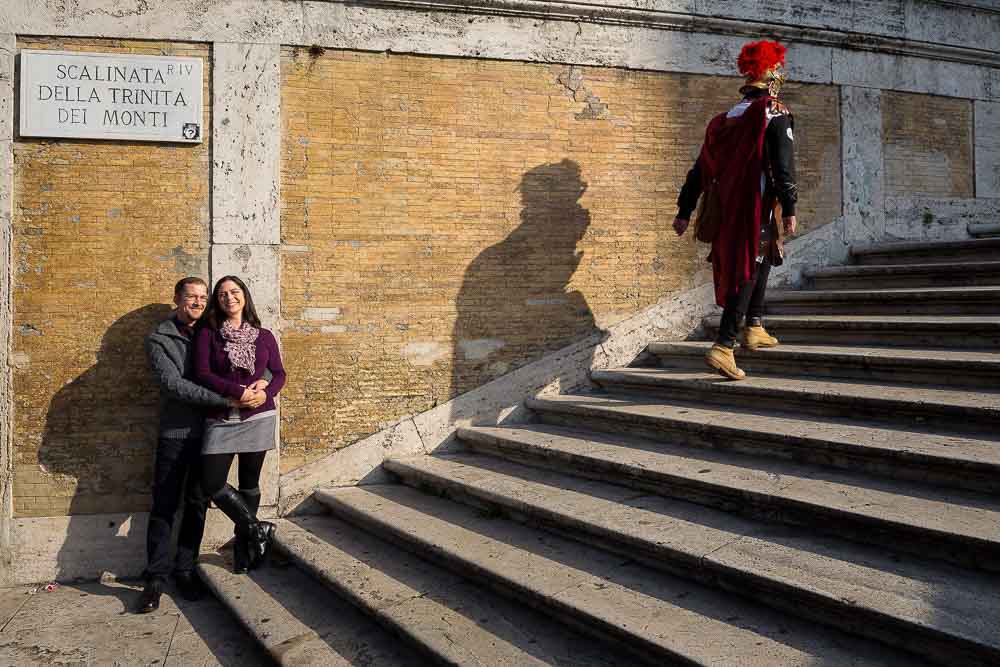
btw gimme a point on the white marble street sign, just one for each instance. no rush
(111, 96)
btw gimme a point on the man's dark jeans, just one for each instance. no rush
(176, 478)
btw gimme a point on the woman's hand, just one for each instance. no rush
(680, 226)
(790, 224)
(252, 398)
(247, 396)
(259, 385)
(258, 400)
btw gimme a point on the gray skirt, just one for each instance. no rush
(232, 436)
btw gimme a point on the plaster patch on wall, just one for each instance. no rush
(480, 348)
(594, 109)
(425, 353)
(321, 314)
(184, 262)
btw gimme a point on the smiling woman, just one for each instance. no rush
(232, 353)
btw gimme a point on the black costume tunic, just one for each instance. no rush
(779, 173)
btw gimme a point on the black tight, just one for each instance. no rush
(215, 471)
(749, 303)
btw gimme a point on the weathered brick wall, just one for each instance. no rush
(928, 145)
(102, 230)
(445, 221)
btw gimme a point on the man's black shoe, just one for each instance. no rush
(149, 600)
(189, 585)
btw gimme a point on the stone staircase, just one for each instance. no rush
(839, 507)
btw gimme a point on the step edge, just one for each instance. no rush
(630, 377)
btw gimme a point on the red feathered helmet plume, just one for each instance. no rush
(758, 58)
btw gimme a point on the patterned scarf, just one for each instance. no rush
(240, 345)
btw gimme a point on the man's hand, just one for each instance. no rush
(680, 226)
(259, 385)
(789, 223)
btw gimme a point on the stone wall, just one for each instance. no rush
(101, 231)
(446, 221)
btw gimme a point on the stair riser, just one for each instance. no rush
(939, 256)
(971, 339)
(633, 644)
(920, 307)
(757, 443)
(768, 364)
(848, 617)
(864, 282)
(903, 414)
(951, 548)
(985, 230)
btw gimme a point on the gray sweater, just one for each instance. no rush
(181, 400)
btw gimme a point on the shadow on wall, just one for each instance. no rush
(101, 431)
(514, 305)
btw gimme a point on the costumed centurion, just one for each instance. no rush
(745, 174)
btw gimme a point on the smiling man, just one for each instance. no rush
(176, 472)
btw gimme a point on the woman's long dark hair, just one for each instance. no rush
(214, 317)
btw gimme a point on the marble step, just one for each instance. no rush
(942, 459)
(960, 368)
(904, 405)
(984, 229)
(931, 331)
(444, 618)
(298, 625)
(897, 301)
(648, 615)
(961, 527)
(926, 252)
(943, 612)
(953, 274)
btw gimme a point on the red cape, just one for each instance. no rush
(732, 156)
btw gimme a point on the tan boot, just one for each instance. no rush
(754, 337)
(721, 359)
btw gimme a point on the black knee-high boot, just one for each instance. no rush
(241, 547)
(255, 534)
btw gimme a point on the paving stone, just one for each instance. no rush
(81, 604)
(11, 600)
(93, 624)
(128, 640)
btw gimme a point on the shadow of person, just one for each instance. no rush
(514, 305)
(100, 437)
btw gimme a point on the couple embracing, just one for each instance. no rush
(218, 372)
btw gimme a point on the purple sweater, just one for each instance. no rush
(213, 370)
